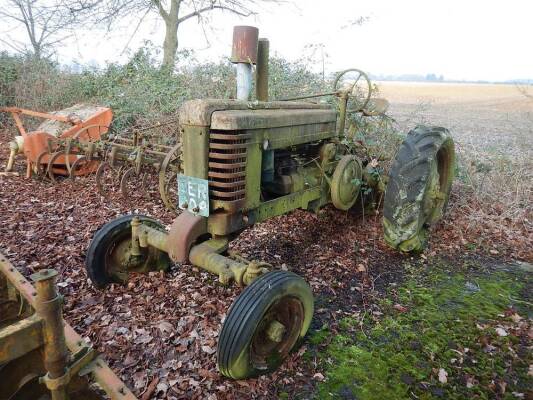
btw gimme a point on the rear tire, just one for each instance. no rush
(419, 187)
(108, 258)
(246, 347)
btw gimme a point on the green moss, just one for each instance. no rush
(448, 322)
(319, 336)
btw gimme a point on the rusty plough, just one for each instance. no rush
(56, 146)
(40, 354)
(79, 141)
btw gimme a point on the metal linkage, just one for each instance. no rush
(206, 255)
(66, 355)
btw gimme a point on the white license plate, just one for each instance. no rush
(193, 195)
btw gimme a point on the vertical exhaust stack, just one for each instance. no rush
(244, 54)
(261, 74)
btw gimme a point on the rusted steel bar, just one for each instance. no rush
(160, 153)
(310, 96)
(144, 236)
(343, 104)
(122, 146)
(49, 307)
(164, 146)
(121, 139)
(16, 110)
(15, 278)
(20, 338)
(19, 124)
(106, 378)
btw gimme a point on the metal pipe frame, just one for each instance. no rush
(24, 336)
(206, 255)
(49, 307)
(342, 112)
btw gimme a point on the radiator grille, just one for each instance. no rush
(227, 166)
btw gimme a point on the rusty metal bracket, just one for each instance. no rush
(56, 383)
(79, 361)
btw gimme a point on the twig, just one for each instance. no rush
(151, 389)
(516, 300)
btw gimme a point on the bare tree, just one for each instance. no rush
(173, 13)
(46, 23)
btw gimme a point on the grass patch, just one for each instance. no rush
(440, 336)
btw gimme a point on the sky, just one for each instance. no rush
(460, 39)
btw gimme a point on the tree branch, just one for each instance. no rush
(164, 14)
(13, 46)
(135, 31)
(213, 7)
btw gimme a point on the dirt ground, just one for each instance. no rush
(163, 327)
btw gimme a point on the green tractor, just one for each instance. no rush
(246, 161)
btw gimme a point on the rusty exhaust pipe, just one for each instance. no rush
(244, 54)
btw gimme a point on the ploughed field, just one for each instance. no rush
(161, 330)
(485, 118)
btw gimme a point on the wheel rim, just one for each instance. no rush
(168, 176)
(21, 377)
(76, 165)
(50, 169)
(345, 184)
(119, 261)
(133, 185)
(106, 177)
(277, 332)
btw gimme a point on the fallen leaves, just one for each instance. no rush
(443, 376)
(400, 308)
(160, 332)
(318, 376)
(500, 331)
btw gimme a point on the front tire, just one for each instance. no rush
(264, 324)
(419, 187)
(109, 258)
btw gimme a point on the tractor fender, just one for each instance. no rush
(184, 232)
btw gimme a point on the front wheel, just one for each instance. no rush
(264, 324)
(109, 257)
(419, 187)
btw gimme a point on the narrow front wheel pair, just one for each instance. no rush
(267, 321)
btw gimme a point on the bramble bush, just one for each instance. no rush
(139, 92)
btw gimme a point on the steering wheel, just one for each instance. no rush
(359, 90)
